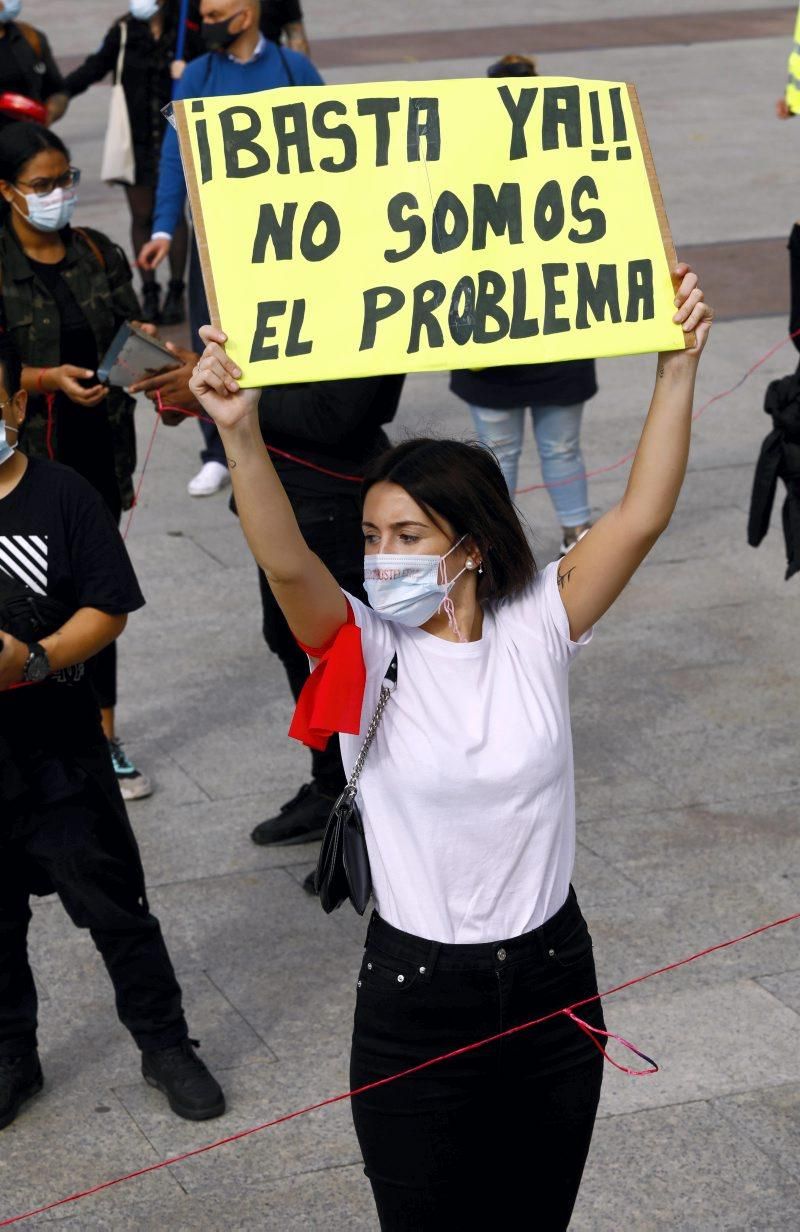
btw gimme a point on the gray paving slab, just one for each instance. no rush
(770, 1119)
(332, 1197)
(681, 1170)
(785, 985)
(69, 1142)
(723, 1039)
(665, 926)
(699, 847)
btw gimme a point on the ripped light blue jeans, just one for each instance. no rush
(557, 430)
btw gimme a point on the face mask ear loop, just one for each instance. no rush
(447, 605)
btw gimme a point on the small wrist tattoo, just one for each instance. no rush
(231, 463)
(563, 578)
(661, 370)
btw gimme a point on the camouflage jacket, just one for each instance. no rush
(99, 276)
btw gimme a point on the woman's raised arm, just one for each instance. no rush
(595, 572)
(307, 593)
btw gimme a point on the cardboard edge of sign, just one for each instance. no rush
(198, 221)
(655, 191)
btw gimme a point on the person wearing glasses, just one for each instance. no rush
(65, 292)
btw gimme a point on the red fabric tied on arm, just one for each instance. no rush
(333, 695)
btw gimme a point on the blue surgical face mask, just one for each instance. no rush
(407, 588)
(52, 212)
(143, 10)
(6, 448)
(11, 10)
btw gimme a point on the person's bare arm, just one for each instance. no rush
(595, 572)
(308, 594)
(85, 634)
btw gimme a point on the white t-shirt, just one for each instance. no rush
(467, 794)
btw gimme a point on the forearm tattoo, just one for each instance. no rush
(563, 578)
(231, 463)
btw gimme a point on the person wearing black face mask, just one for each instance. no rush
(239, 61)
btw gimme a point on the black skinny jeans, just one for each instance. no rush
(98, 887)
(331, 526)
(495, 1138)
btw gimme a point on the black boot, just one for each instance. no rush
(20, 1078)
(174, 310)
(301, 820)
(191, 1091)
(150, 298)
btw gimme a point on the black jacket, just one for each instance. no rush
(37, 75)
(779, 459)
(146, 77)
(516, 385)
(337, 425)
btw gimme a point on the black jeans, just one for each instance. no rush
(67, 841)
(331, 526)
(497, 1137)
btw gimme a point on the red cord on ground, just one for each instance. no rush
(569, 1010)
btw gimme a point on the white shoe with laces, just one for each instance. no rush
(209, 479)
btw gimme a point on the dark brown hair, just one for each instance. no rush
(513, 66)
(461, 482)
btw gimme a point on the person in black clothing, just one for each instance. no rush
(283, 19)
(66, 588)
(148, 71)
(65, 293)
(27, 68)
(326, 426)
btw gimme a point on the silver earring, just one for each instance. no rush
(480, 569)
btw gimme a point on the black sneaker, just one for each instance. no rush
(191, 1091)
(20, 1078)
(173, 311)
(301, 820)
(150, 298)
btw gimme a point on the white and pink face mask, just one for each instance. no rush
(408, 589)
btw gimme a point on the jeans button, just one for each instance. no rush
(369, 966)
(422, 970)
(401, 979)
(552, 953)
(501, 955)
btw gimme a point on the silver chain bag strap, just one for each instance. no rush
(343, 867)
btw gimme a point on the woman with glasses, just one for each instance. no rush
(65, 292)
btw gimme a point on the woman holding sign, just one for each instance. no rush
(467, 794)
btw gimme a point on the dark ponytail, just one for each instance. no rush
(461, 482)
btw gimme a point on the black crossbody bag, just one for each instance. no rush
(343, 868)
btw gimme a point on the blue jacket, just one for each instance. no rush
(211, 76)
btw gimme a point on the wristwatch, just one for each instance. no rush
(37, 664)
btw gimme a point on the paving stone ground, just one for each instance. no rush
(685, 718)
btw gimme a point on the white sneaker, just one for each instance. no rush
(209, 479)
(572, 535)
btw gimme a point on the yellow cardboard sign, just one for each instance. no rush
(411, 226)
(792, 95)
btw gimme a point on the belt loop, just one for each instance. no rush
(427, 971)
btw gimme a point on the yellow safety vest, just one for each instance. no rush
(793, 79)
